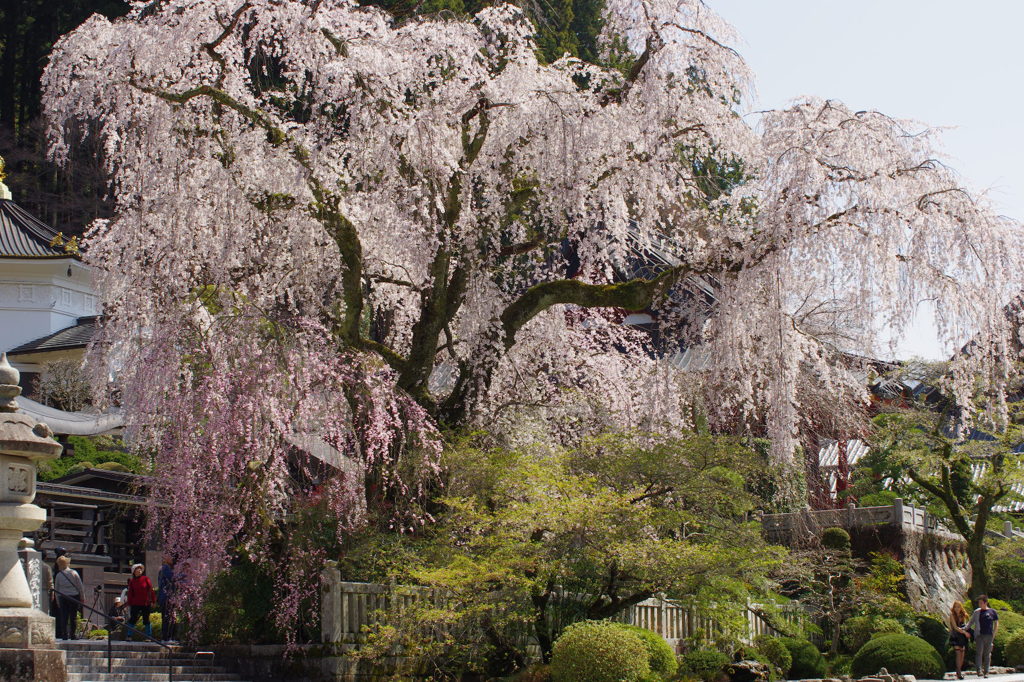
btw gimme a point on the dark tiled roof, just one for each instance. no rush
(22, 235)
(76, 336)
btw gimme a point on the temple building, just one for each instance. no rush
(49, 311)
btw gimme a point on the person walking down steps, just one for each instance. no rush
(984, 623)
(141, 597)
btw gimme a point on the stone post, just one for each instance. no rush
(897, 512)
(27, 648)
(35, 573)
(1008, 529)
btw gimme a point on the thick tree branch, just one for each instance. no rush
(636, 294)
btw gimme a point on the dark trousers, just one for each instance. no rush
(169, 626)
(65, 616)
(133, 616)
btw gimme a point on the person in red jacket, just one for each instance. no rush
(141, 597)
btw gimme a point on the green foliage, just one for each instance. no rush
(933, 630)
(660, 657)
(857, 631)
(900, 654)
(98, 633)
(887, 626)
(807, 660)
(521, 534)
(1008, 580)
(538, 672)
(599, 651)
(704, 664)
(776, 653)
(1013, 651)
(779, 488)
(835, 538)
(1009, 624)
(881, 498)
(885, 574)
(89, 452)
(839, 665)
(239, 608)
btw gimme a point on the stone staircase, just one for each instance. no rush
(140, 662)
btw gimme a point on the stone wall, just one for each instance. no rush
(934, 559)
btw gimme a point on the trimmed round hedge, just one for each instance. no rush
(1010, 623)
(599, 651)
(660, 657)
(933, 631)
(776, 653)
(899, 654)
(835, 538)
(808, 663)
(1013, 652)
(704, 664)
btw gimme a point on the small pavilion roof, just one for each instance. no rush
(77, 335)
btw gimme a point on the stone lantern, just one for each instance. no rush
(27, 649)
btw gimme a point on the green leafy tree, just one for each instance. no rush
(530, 542)
(927, 446)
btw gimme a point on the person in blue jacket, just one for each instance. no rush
(165, 598)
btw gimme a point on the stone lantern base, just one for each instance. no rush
(27, 647)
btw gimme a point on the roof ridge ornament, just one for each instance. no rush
(9, 388)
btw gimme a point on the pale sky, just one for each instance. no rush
(945, 63)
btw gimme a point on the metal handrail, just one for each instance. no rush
(133, 629)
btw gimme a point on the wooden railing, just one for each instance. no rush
(349, 608)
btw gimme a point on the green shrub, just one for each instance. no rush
(113, 466)
(660, 657)
(84, 452)
(993, 603)
(599, 651)
(900, 654)
(238, 608)
(1013, 651)
(807, 660)
(858, 630)
(1008, 579)
(775, 652)
(704, 664)
(881, 498)
(535, 673)
(98, 633)
(1009, 624)
(835, 538)
(933, 631)
(839, 666)
(886, 626)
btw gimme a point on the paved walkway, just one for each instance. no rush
(1010, 677)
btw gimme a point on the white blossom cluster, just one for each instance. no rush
(263, 151)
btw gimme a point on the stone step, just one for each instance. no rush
(141, 655)
(130, 666)
(152, 677)
(101, 645)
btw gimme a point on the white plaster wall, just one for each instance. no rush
(39, 297)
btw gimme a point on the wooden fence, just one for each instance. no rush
(348, 608)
